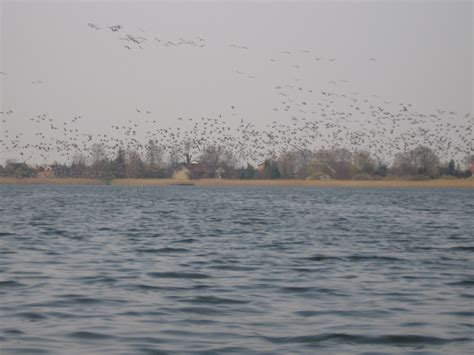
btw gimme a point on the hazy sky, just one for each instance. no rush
(423, 54)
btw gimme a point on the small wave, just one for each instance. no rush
(214, 300)
(144, 340)
(10, 283)
(163, 250)
(303, 269)
(228, 350)
(205, 311)
(143, 313)
(298, 289)
(462, 283)
(68, 300)
(104, 229)
(232, 268)
(64, 315)
(461, 313)
(85, 300)
(463, 248)
(178, 275)
(372, 257)
(321, 257)
(33, 316)
(346, 313)
(414, 324)
(89, 335)
(320, 290)
(145, 287)
(97, 279)
(394, 340)
(53, 231)
(201, 321)
(252, 222)
(6, 234)
(185, 241)
(12, 331)
(149, 351)
(28, 351)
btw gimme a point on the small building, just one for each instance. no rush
(44, 172)
(261, 167)
(193, 170)
(197, 171)
(182, 173)
(318, 176)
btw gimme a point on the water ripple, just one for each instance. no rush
(210, 270)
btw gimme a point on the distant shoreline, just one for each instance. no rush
(395, 183)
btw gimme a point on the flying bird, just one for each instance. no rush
(94, 26)
(115, 28)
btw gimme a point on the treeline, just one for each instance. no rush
(340, 163)
(217, 161)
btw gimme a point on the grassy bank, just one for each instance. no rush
(438, 183)
(395, 183)
(49, 181)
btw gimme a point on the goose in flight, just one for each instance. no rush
(94, 26)
(115, 28)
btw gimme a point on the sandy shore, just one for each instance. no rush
(438, 183)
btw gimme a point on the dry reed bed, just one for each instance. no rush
(49, 181)
(438, 183)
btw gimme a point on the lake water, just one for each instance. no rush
(130, 270)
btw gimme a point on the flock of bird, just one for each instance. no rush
(313, 119)
(139, 41)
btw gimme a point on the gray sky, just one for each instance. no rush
(423, 55)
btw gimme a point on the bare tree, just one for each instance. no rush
(215, 157)
(469, 160)
(188, 151)
(79, 165)
(154, 159)
(154, 154)
(100, 167)
(363, 163)
(419, 161)
(174, 159)
(336, 163)
(98, 153)
(135, 165)
(295, 164)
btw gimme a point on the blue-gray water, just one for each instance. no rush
(128, 270)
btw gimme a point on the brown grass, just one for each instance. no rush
(439, 183)
(393, 183)
(49, 181)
